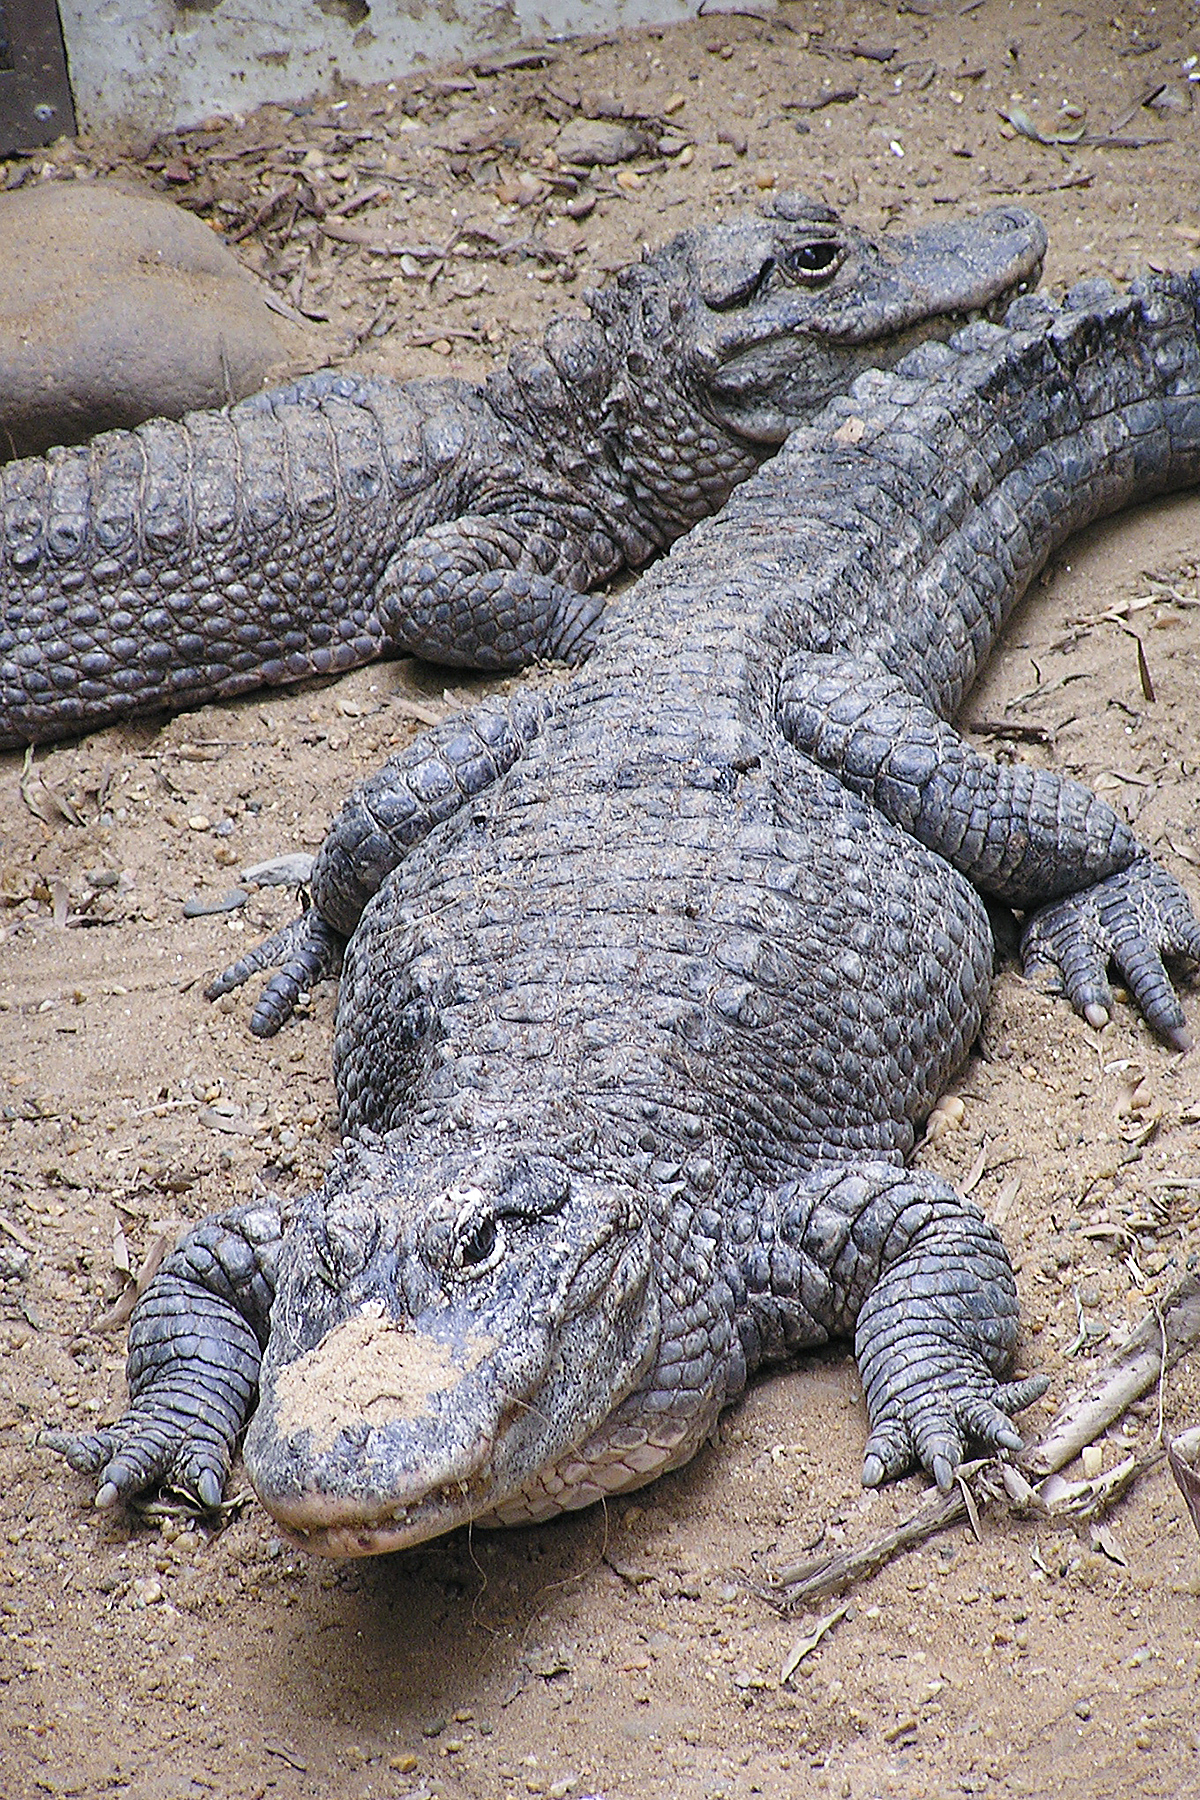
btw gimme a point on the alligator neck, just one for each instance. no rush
(610, 406)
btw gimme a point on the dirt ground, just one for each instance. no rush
(625, 1653)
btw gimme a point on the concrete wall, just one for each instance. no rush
(157, 63)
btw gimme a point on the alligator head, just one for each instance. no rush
(772, 316)
(443, 1330)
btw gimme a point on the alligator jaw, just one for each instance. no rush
(325, 1525)
(445, 1328)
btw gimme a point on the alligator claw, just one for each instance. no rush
(1133, 920)
(160, 1443)
(302, 952)
(936, 1411)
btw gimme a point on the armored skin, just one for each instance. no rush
(652, 977)
(339, 518)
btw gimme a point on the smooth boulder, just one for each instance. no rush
(118, 307)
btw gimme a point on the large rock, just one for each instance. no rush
(115, 307)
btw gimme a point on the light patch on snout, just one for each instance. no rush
(368, 1371)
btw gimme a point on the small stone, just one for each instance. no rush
(404, 1763)
(1083, 1709)
(674, 104)
(629, 179)
(14, 1262)
(199, 822)
(586, 142)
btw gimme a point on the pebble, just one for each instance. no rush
(587, 142)
(202, 906)
(14, 1262)
(291, 870)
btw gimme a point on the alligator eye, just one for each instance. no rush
(815, 261)
(476, 1249)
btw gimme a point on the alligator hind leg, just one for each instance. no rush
(922, 1280)
(1035, 840)
(416, 790)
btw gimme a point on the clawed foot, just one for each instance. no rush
(163, 1442)
(1133, 920)
(303, 952)
(931, 1341)
(932, 1421)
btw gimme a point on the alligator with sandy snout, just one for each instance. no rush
(651, 978)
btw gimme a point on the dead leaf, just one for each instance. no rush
(120, 1253)
(1187, 1480)
(118, 1314)
(44, 801)
(1104, 1541)
(803, 1646)
(1021, 122)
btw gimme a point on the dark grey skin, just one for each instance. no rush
(308, 530)
(653, 979)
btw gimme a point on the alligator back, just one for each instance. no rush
(663, 900)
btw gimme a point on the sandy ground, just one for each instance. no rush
(625, 1653)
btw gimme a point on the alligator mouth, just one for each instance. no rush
(753, 392)
(953, 319)
(332, 1526)
(884, 343)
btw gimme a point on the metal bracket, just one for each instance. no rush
(35, 92)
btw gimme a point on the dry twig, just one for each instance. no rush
(1157, 1344)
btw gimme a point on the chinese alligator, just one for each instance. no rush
(652, 977)
(312, 528)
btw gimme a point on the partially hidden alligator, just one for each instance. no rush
(312, 528)
(653, 976)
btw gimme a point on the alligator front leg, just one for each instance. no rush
(1034, 839)
(486, 592)
(195, 1344)
(924, 1283)
(416, 790)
